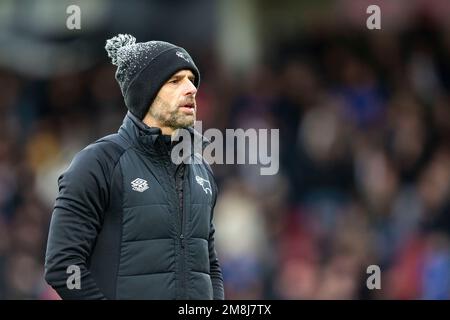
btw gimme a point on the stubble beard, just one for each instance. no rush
(170, 116)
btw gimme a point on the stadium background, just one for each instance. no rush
(364, 119)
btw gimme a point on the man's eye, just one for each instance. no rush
(173, 81)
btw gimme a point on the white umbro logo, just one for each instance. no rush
(139, 185)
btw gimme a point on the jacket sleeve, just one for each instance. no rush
(75, 224)
(215, 269)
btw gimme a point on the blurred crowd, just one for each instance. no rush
(364, 177)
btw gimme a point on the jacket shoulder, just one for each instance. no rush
(104, 149)
(100, 156)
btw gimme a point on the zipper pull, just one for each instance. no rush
(182, 240)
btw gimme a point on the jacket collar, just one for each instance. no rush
(138, 133)
(141, 135)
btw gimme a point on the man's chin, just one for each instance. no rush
(186, 122)
(186, 125)
(183, 125)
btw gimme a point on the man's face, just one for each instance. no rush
(175, 105)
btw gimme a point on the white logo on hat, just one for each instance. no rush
(182, 55)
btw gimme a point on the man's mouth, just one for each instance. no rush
(188, 105)
(188, 108)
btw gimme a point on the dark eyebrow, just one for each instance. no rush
(175, 76)
(178, 77)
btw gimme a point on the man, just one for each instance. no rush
(131, 221)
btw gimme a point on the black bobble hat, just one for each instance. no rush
(143, 68)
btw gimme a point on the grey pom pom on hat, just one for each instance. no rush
(144, 67)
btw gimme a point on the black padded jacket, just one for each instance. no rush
(135, 225)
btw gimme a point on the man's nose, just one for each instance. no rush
(190, 88)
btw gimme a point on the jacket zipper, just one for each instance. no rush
(180, 191)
